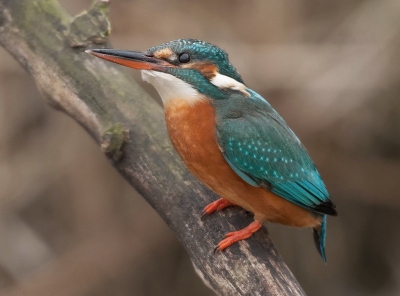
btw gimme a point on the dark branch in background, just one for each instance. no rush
(129, 126)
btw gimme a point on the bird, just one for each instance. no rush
(231, 138)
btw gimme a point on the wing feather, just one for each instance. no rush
(263, 151)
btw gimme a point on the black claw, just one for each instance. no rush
(203, 215)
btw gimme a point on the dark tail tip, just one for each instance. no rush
(327, 207)
(319, 234)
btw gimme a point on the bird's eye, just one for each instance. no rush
(184, 58)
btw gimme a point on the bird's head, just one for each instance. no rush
(186, 69)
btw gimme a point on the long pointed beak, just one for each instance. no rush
(132, 59)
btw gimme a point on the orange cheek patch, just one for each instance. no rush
(209, 70)
(164, 53)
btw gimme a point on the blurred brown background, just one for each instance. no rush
(70, 225)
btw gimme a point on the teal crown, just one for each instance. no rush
(199, 52)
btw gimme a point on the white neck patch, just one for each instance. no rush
(223, 81)
(169, 87)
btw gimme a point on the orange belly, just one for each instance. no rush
(192, 132)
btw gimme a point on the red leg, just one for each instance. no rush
(233, 237)
(216, 206)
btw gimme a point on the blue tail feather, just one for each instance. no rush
(320, 237)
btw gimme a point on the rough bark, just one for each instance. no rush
(129, 126)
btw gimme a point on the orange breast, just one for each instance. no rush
(192, 132)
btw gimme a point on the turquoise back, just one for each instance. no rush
(264, 151)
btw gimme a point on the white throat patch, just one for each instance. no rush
(169, 87)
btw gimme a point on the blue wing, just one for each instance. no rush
(263, 151)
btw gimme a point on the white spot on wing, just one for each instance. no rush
(169, 87)
(223, 81)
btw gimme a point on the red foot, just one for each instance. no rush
(216, 206)
(233, 237)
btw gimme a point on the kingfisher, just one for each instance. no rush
(231, 138)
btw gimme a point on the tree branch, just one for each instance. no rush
(48, 42)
